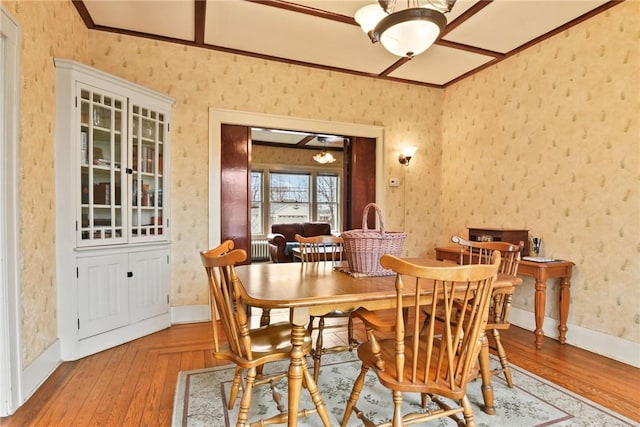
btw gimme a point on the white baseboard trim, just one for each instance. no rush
(39, 370)
(190, 314)
(596, 342)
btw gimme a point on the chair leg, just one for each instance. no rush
(352, 341)
(355, 394)
(502, 355)
(317, 354)
(312, 387)
(397, 409)
(235, 387)
(310, 327)
(485, 372)
(245, 402)
(467, 411)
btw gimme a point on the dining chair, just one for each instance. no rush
(325, 249)
(433, 362)
(480, 253)
(249, 349)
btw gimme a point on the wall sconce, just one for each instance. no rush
(406, 155)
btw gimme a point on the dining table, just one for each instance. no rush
(315, 289)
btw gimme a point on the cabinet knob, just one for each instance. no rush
(129, 171)
(129, 273)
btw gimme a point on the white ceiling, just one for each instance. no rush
(323, 34)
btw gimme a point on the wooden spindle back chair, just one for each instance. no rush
(435, 362)
(480, 253)
(325, 249)
(249, 349)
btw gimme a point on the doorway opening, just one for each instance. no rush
(219, 117)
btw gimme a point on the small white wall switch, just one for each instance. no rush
(394, 182)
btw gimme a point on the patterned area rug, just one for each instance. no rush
(201, 395)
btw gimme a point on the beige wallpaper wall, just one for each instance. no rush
(556, 127)
(47, 29)
(293, 157)
(550, 140)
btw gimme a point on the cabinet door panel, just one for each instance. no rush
(102, 175)
(149, 128)
(149, 285)
(102, 294)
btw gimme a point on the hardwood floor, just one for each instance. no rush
(133, 384)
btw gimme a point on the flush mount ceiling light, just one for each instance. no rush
(324, 156)
(405, 32)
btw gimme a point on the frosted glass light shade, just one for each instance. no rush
(410, 32)
(324, 157)
(369, 16)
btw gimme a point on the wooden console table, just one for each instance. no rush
(540, 271)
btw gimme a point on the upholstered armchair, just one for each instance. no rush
(282, 238)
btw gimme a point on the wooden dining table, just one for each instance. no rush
(315, 289)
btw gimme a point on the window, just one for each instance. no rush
(257, 224)
(327, 193)
(293, 196)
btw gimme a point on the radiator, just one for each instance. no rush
(259, 250)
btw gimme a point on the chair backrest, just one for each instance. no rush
(320, 248)
(441, 359)
(219, 263)
(482, 252)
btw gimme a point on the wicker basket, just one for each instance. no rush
(363, 247)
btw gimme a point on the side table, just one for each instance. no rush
(540, 271)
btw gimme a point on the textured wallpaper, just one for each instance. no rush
(48, 29)
(548, 139)
(284, 156)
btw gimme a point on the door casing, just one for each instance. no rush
(218, 117)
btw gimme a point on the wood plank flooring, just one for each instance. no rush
(133, 384)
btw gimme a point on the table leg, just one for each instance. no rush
(299, 370)
(540, 300)
(565, 295)
(485, 372)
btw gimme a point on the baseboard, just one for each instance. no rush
(596, 342)
(39, 370)
(190, 314)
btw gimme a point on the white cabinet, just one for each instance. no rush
(112, 209)
(116, 290)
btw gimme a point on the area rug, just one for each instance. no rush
(201, 395)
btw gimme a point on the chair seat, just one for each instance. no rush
(275, 338)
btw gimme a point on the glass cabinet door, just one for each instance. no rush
(148, 131)
(101, 160)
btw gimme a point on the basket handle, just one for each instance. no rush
(365, 214)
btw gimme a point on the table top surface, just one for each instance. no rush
(290, 285)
